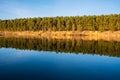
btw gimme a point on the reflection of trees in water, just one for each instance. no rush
(100, 47)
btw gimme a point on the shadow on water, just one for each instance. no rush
(100, 47)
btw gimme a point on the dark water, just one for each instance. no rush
(43, 59)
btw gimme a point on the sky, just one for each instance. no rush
(11, 9)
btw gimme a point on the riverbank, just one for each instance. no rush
(85, 35)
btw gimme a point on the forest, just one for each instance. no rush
(69, 23)
(100, 47)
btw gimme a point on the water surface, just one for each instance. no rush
(27, 59)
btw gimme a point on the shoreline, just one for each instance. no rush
(85, 35)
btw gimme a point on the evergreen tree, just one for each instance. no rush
(73, 23)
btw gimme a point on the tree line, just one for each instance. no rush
(109, 48)
(73, 23)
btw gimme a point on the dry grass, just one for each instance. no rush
(85, 35)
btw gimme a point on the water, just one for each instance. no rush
(29, 59)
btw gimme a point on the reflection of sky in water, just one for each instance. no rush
(65, 64)
(16, 55)
(12, 55)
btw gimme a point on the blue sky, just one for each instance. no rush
(10, 9)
